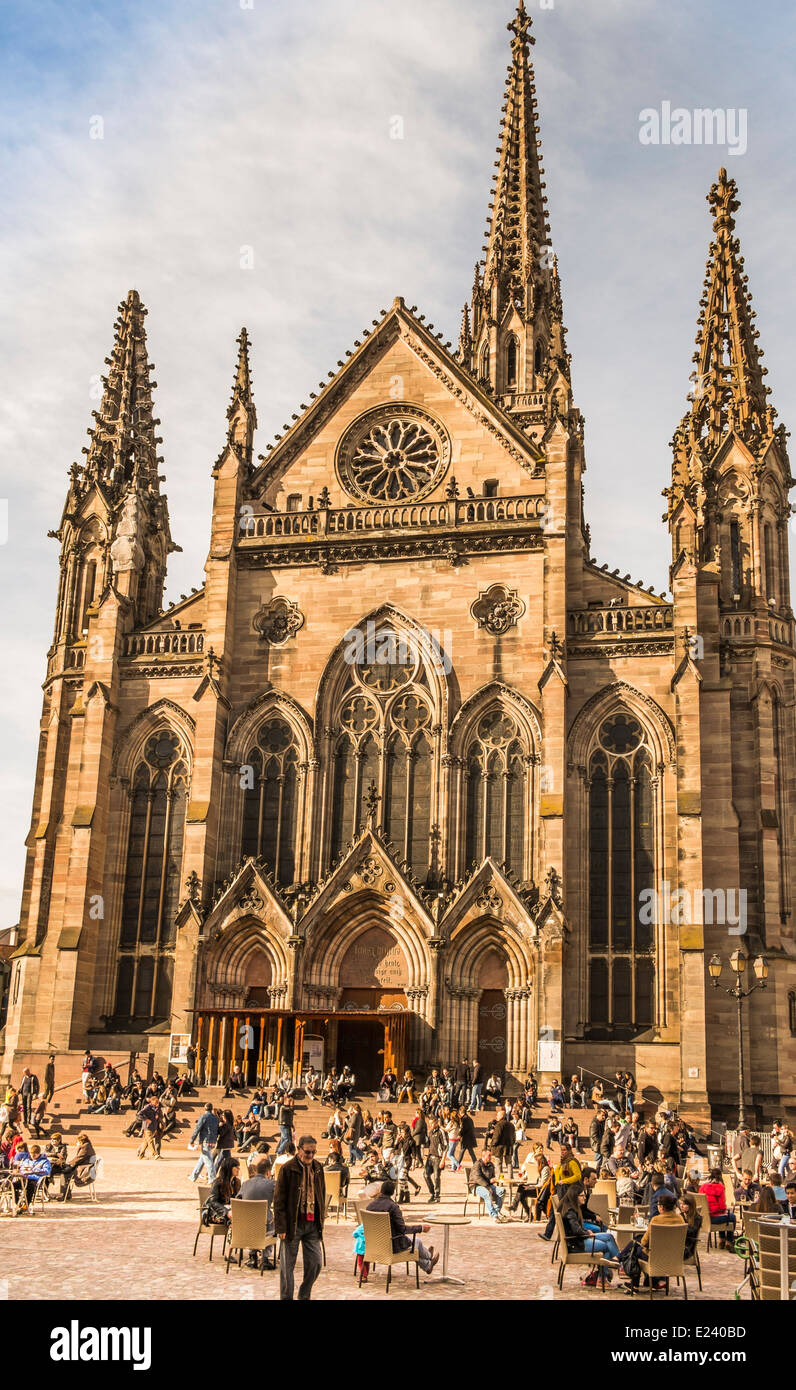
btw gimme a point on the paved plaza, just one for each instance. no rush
(135, 1242)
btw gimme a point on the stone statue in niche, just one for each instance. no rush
(127, 553)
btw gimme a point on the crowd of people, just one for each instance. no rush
(656, 1160)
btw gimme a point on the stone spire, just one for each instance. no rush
(729, 393)
(241, 413)
(729, 390)
(518, 225)
(518, 344)
(124, 444)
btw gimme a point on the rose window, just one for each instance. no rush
(620, 734)
(393, 455)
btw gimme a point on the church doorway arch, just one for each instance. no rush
(492, 1019)
(373, 978)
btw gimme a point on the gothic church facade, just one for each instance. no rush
(410, 778)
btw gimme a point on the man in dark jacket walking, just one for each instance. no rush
(647, 1143)
(608, 1140)
(468, 1136)
(399, 1231)
(503, 1136)
(29, 1087)
(49, 1077)
(437, 1149)
(461, 1083)
(285, 1125)
(299, 1209)
(595, 1136)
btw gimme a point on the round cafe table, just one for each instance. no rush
(446, 1222)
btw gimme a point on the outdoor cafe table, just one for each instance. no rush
(446, 1222)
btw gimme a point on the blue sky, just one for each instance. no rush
(269, 127)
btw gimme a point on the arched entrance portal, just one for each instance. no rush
(493, 980)
(251, 1039)
(373, 979)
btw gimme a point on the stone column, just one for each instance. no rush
(295, 944)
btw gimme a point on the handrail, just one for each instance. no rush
(611, 1080)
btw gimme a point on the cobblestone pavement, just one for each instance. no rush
(136, 1242)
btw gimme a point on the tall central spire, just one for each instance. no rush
(518, 226)
(513, 338)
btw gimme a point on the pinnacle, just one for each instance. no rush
(729, 392)
(123, 444)
(242, 389)
(520, 26)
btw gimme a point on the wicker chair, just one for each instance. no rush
(607, 1186)
(334, 1196)
(248, 1229)
(203, 1192)
(600, 1204)
(575, 1257)
(692, 1261)
(378, 1246)
(751, 1269)
(666, 1250)
(86, 1183)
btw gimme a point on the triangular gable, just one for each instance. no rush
(397, 322)
(488, 890)
(368, 866)
(249, 891)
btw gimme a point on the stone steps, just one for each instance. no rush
(106, 1131)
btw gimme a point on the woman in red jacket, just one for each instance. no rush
(717, 1203)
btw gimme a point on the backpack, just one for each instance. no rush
(631, 1264)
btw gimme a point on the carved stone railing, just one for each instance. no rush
(411, 516)
(179, 642)
(603, 622)
(69, 659)
(524, 400)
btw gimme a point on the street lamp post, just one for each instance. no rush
(738, 993)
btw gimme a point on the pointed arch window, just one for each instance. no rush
(621, 880)
(496, 788)
(270, 801)
(158, 792)
(768, 553)
(781, 808)
(735, 558)
(512, 364)
(384, 740)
